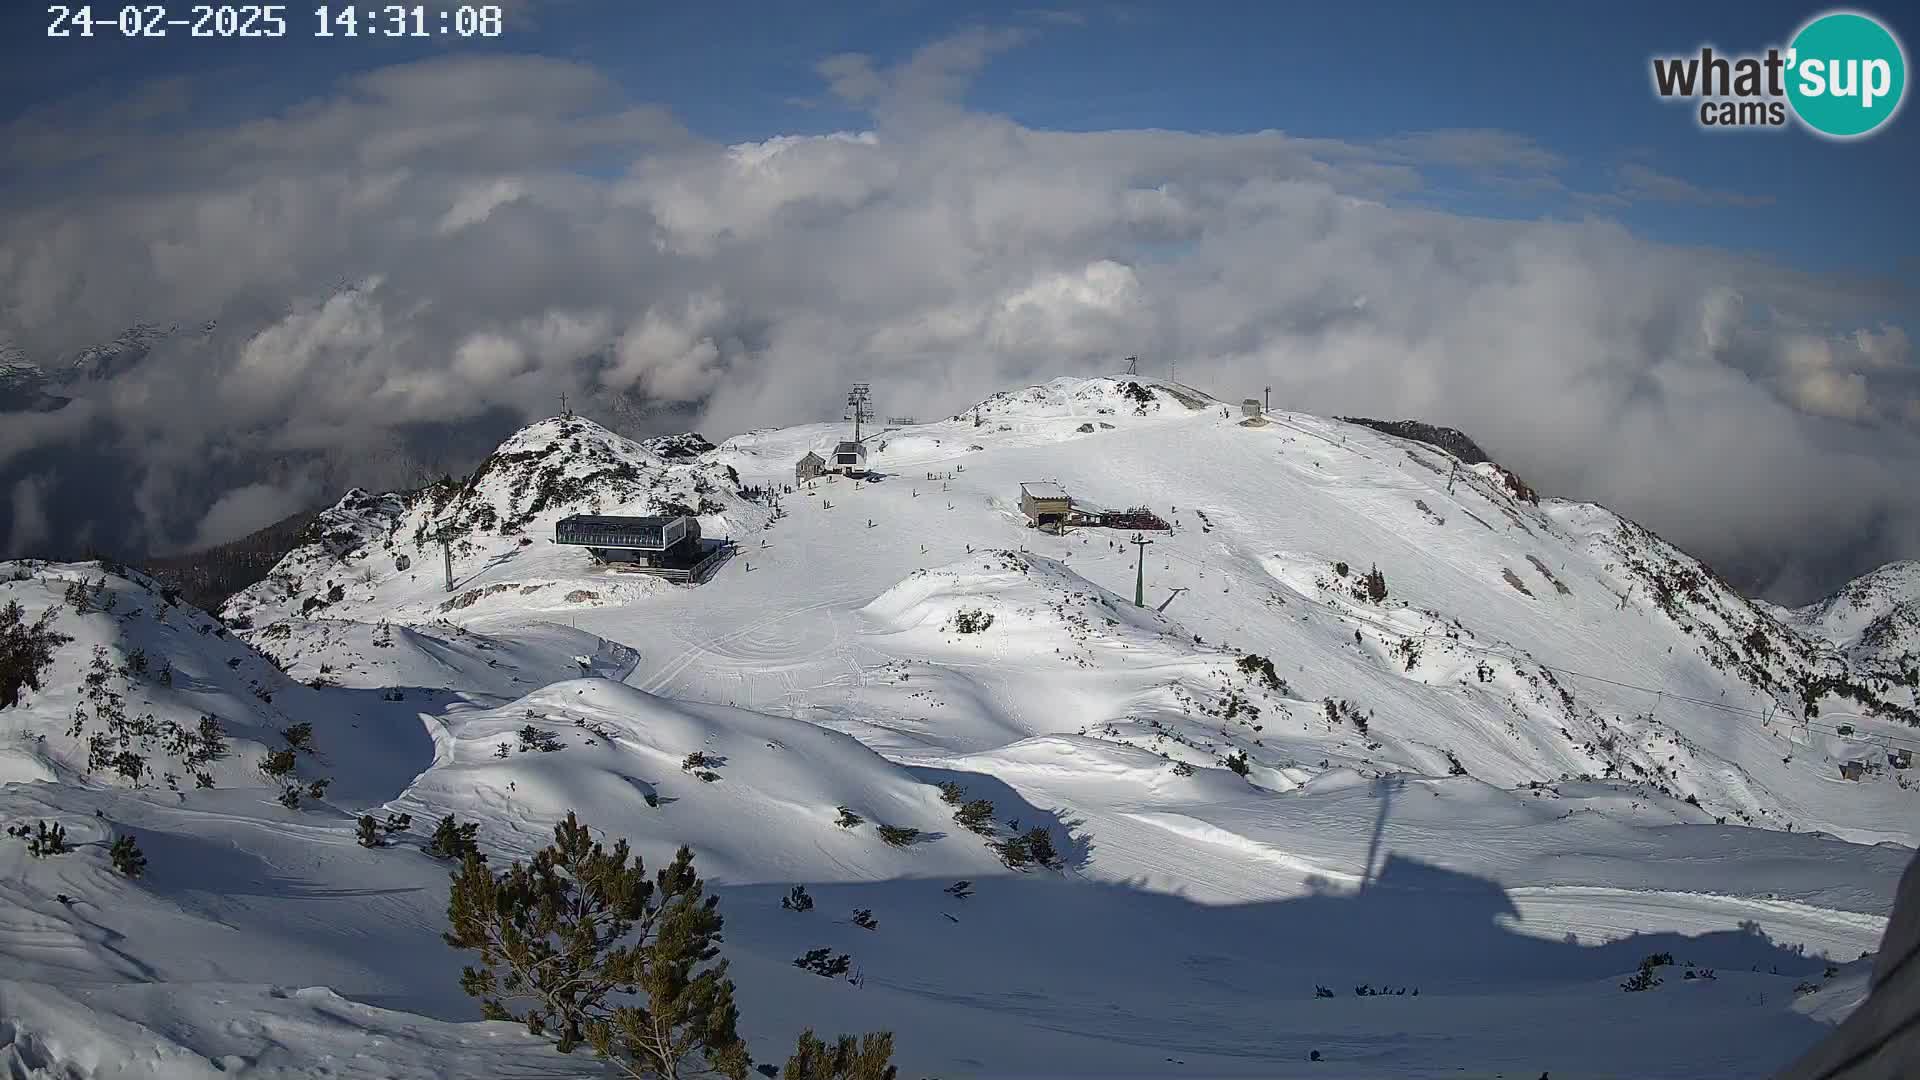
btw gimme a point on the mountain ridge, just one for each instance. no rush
(569, 464)
(1385, 720)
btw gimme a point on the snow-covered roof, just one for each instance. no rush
(1082, 506)
(848, 446)
(1045, 490)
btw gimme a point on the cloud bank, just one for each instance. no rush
(401, 271)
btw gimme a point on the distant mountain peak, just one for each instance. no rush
(683, 446)
(1452, 440)
(1876, 616)
(546, 470)
(115, 357)
(1088, 397)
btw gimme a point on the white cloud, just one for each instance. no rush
(1885, 349)
(478, 202)
(1739, 406)
(671, 356)
(29, 531)
(246, 508)
(1079, 313)
(935, 72)
(488, 358)
(1643, 182)
(1816, 383)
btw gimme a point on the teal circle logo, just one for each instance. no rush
(1846, 74)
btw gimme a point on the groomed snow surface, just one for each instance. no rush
(1555, 747)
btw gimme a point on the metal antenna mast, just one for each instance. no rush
(1268, 407)
(859, 408)
(1140, 575)
(1133, 365)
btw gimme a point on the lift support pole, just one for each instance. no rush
(1140, 575)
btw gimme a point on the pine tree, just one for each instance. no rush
(452, 840)
(824, 962)
(868, 1058)
(976, 816)
(1040, 846)
(48, 840)
(797, 900)
(540, 739)
(26, 651)
(370, 835)
(580, 922)
(278, 764)
(213, 741)
(127, 857)
(130, 766)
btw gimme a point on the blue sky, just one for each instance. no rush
(1571, 78)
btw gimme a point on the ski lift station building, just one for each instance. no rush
(648, 541)
(1046, 504)
(850, 457)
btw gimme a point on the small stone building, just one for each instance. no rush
(811, 467)
(1250, 406)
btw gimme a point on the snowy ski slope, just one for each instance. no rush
(1556, 746)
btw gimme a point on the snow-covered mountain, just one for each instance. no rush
(109, 359)
(1875, 618)
(28, 384)
(23, 385)
(381, 556)
(1387, 719)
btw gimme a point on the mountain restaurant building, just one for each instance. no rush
(648, 541)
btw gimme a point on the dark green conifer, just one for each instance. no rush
(579, 922)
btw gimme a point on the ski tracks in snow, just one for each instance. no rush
(700, 650)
